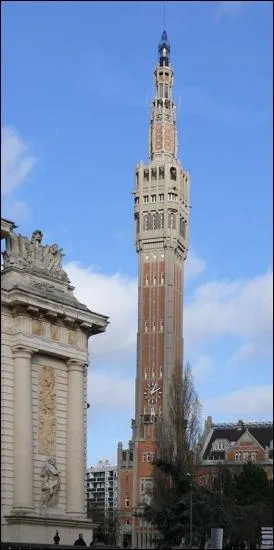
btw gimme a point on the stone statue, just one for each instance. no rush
(50, 485)
(24, 253)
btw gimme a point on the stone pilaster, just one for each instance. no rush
(75, 467)
(23, 434)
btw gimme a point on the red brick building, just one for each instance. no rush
(161, 214)
(234, 444)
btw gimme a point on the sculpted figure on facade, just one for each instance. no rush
(24, 253)
(51, 481)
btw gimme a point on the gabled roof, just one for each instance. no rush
(261, 432)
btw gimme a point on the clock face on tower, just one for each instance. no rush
(152, 392)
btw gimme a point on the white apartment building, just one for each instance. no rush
(102, 490)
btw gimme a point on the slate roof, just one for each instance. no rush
(263, 433)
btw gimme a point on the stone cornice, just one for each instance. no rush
(50, 520)
(89, 321)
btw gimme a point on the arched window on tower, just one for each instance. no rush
(161, 325)
(161, 172)
(146, 279)
(166, 91)
(146, 174)
(162, 279)
(153, 173)
(154, 280)
(173, 173)
(154, 326)
(146, 326)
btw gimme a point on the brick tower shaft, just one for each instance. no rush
(161, 214)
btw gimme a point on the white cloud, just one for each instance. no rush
(112, 295)
(249, 403)
(241, 308)
(232, 308)
(194, 266)
(16, 160)
(110, 391)
(17, 210)
(201, 368)
(230, 8)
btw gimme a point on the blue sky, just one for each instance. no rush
(77, 83)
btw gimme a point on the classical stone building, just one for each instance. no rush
(161, 214)
(44, 332)
(232, 445)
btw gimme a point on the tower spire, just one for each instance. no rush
(163, 132)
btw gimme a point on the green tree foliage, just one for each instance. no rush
(240, 505)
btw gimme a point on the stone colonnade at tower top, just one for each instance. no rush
(45, 332)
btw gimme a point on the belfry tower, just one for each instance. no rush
(161, 214)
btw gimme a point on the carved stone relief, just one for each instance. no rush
(24, 253)
(46, 411)
(55, 332)
(37, 327)
(72, 337)
(50, 485)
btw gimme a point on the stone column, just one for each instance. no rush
(75, 467)
(23, 430)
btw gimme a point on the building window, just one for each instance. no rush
(153, 198)
(173, 173)
(145, 222)
(161, 197)
(161, 372)
(162, 278)
(126, 502)
(172, 197)
(146, 280)
(166, 91)
(145, 199)
(161, 214)
(146, 175)
(172, 220)
(146, 326)
(154, 280)
(153, 173)
(136, 200)
(253, 456)
(238, 456)
(154, 326)
(153, 221)
(161, 325)
(137, 223)
(161, 172)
